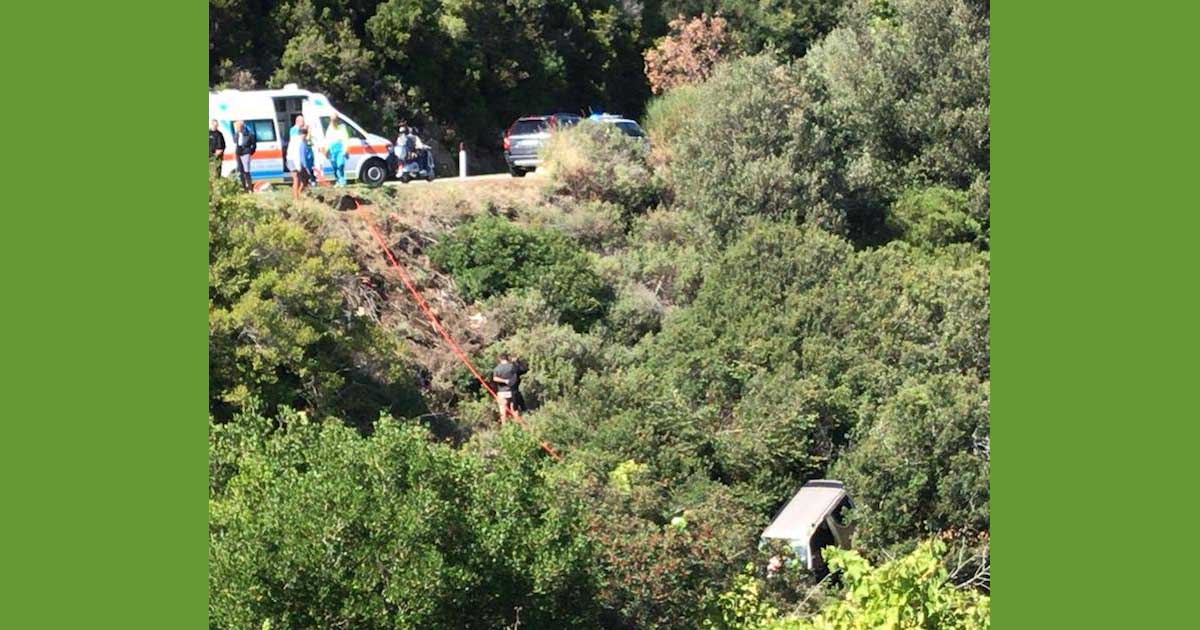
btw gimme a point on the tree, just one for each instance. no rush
(895, 98)
(314, 525)
(283, 327)
(934, 217)
(688, 54)
(732, 157)
(900, 92)
(330, 58)
(788, 27)
(915, 469)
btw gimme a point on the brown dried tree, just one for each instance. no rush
(689, 53)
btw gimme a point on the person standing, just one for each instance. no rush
(297, 125)
(337, 139)
(216, 146)
(507, 376)
(246, 144)
(404, 147)
(297, 139)
(308, 159)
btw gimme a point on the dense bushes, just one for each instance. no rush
(933, 217)
(734, 156)
(900, 91)
(909, 592)
(282, 325)
(893, 98)
(800, 354)
(490, 256)
(597, 162)
(312, 525)
(916, 464)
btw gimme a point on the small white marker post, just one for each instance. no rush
(462, 161)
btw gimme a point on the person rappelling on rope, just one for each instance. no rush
(507, 376)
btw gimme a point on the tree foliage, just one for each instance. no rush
(313, 525)
(892, 99)
(597, 162)
(909, 592)
(490, 256)
(688, 54)
(787, 26)
(282, 328)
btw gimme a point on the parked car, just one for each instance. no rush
(628, 126)
(525, 138)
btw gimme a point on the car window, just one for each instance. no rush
(839, 514)
(523, 127)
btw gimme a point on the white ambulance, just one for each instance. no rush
(271, 113)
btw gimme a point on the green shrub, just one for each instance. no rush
(514, 311)
(668, 255)
(933, 217)
(635, 313)
(915, 466)
(489, 256)
(315, 526)
(283, 325)
(667, 116)
(906, 593)
(901, 97)
(886, 102)
(597, 162)
(732, 154)
(596, 225)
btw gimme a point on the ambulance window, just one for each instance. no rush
(354, 133)
(264, 130)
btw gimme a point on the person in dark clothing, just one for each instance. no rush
(507, 376)
(247, 144)
(216, 146)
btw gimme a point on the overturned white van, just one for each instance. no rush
(813, 520)
(271, 113)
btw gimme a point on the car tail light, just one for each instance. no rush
(508, 139)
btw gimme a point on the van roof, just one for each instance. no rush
(805, 512)
(291, 89)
